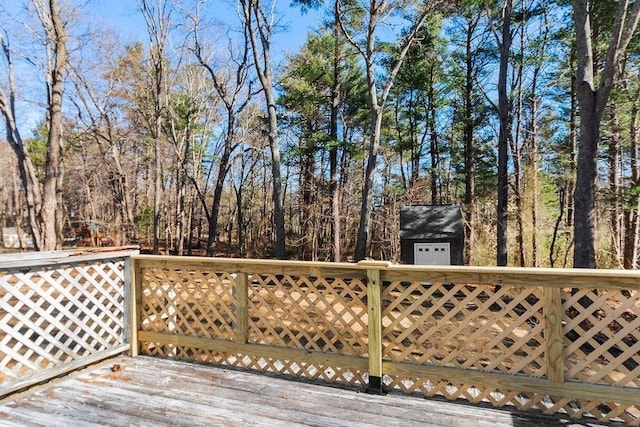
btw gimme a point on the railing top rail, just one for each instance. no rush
(542, 277)
(240, 264)
(42, 259)
(521, 270)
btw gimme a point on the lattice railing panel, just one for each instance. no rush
(602, 336)
(526, 345)
(309, 313)
(603, 411)
(501, 330)
(189, 302)
(464, 326)
(310, 371)
(53, 315)
(315, 314)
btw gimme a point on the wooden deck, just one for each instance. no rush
(155, 392)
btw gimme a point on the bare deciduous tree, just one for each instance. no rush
(157, 18)
(373, 14)
(45, 219)
(259, 23)
(233, 87)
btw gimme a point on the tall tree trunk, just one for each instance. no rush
(592, 103)
(614, 188)
(469, 158)
(334, 191)
(573, 148)
(278, 206)
(504, 106)
(307, 187)
(223, 169)
(256, 24)
(367, 191)
(534, 148)
(433, 140)
(516, 144)
(157, 21)
(519, 199)
(632, 207)
(49, 215)
(335, 204)
(584, 193)
(157, 182)
(520, 144)
(376, 102)
(375, 123)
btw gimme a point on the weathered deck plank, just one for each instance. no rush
(147, 391)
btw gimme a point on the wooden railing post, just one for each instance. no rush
(374, 307)
(127, 279)
(135, 297)
(554, 354)
(242, 308)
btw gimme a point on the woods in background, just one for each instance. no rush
(205, 139)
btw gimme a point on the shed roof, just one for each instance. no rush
(431, 222)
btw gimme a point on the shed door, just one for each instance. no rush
(432, 254)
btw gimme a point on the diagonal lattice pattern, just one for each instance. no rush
(602, 336)
(301, 324)
(54, 315)
(602, 411)
(318, 314)
(501, 329)
(189, 302)
(310, 371)
(464, 326)
(309, 313)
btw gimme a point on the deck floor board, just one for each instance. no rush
(158, 392)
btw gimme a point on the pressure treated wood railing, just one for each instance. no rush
(553, 340)
(60, 312)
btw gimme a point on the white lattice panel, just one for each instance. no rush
(58, 314)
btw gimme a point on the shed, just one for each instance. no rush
(11, 239)
(431, 235)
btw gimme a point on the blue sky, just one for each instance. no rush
(126, 18)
